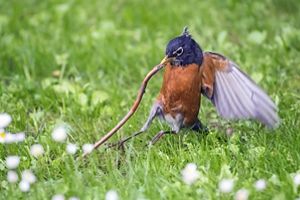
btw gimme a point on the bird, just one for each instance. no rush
(191, 73)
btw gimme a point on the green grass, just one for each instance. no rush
(103, 50)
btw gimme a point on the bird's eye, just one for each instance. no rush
(178, 52)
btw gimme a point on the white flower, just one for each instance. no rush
(242, 194)
(5, 120)
(260, 185)
(2, 135)
(36, 150)
(297, 179)
(12, 162)
(12, 176)
(9, 138)
(59, 134)
(73, 198)
(28, 176)
(58, 197)
(19, 137)
(226, 185)
(71, 148)
(87, 148)
(111, 195)
(190, 174)
(24, 186)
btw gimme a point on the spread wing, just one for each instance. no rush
(234, 94)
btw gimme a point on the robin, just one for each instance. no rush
(191, 73)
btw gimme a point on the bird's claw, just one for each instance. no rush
(119, 145)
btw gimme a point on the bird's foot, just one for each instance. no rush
(199, 127)
(158, 136)
(120, 144)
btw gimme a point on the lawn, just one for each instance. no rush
(81, 63)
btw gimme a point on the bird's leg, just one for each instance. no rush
(122, 141)
(199, 127)
(155, 110)
(159, 135)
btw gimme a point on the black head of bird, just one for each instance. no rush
(184, 49)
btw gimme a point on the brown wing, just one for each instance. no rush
(234, 94)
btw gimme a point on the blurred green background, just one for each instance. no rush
(81, 62)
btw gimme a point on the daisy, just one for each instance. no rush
(59, 134)
(5, 120)
(242, 194)
(2, 135)
(9, 138)
(226, 185)
(36, 150)
(12, 176)
(87, 148)
(111, 195)
(28, 176)
(19, 137)
(58, 197)
(12, 162)
(24, 186)
(190, 174)
(260, 185)
(71, 148)
(297, 179)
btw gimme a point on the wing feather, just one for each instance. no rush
(234, 94)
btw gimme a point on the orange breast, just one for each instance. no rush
(180, 92)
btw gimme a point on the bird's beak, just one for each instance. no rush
(165, 60)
